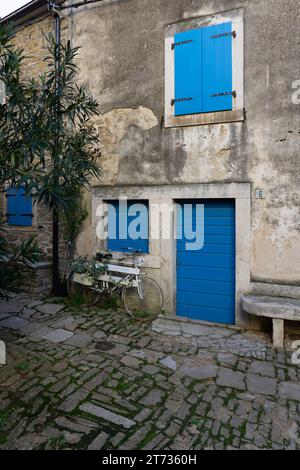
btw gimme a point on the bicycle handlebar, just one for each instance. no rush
(132, 250)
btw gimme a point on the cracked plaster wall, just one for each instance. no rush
(122, 63)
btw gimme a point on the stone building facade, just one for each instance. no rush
(247, 154)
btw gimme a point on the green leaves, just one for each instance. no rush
(47, 144)
(44, 125)
(15, 262)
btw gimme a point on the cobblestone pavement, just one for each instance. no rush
(92, 379)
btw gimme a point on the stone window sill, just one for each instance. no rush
(237, 115)
(19, 228)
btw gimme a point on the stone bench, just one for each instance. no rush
(277, 308)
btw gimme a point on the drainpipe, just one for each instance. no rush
(56, 285)
(53, 9)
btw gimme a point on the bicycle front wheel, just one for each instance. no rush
(144, 302)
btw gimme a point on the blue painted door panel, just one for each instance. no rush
(206, 286)
(217, 67)
(206, 277)
(210, 314)
(121, 242)
(19, 207)
(213, 247)
(207, 300)
(196, 272)
(207, 260)
(188, 72)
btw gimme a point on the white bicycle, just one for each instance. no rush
(140, 294)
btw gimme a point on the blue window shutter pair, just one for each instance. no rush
(203, 70)
(18, 207)
(128, 226)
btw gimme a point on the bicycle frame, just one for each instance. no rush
(126, 278)
(112, 281)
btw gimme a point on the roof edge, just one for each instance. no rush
(28, 12)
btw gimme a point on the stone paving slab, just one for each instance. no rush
(201, 371)
(169, 362)
(79, 339)
(262, 385)
(3, 316)
(94, 379)
(58, 335)
(290, 390)
(99, 441)
(39, 331)
(107, 415)
(48, 308)
(11, 307)
(14, 323)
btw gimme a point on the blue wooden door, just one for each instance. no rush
(120, 216)
(206, 276)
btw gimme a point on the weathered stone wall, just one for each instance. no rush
(122, 63)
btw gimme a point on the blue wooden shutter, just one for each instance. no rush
(217, 68)
(188, 78)
(19, 207)
(118, 243)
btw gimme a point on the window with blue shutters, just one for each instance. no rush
(128, 226)
(18, 207)
(203, 70)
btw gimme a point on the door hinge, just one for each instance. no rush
(225, 93)
(179, 100)
(26, 215)
(174, 44)
(216, 36)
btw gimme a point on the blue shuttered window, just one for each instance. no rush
(128, 223)
(203, 70)
(188, 72)
(18, 208)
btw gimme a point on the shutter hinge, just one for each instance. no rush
(216, 36)
(178, 100)
(26, 215)
(174, 44)
(226, 93)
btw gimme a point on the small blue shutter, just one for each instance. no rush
(187, 60)
(119, 238)
(19, 207)
(217, 67)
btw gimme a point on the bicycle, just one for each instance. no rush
(139, 293)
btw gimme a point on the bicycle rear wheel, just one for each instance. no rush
(86, 294)
(148, 304)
